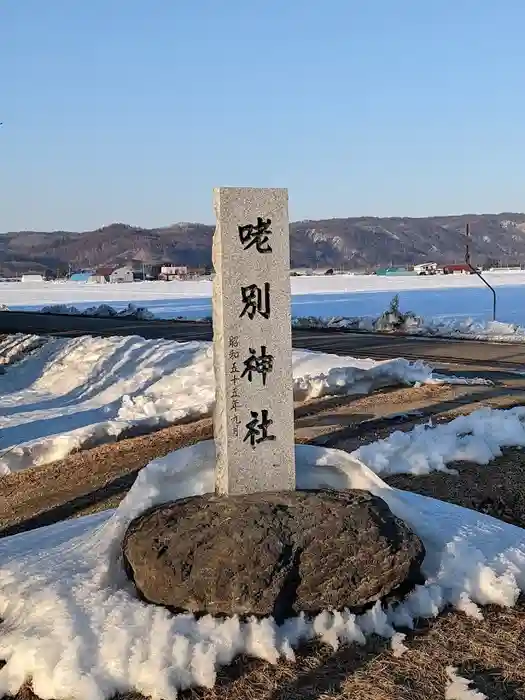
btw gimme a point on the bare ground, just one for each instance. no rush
(490, 652)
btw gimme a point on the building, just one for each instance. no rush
(122, 274)
(458, 269)
(143, 271)
(81, 277)
(394, 271)
(199, 272)
(113, 274)
(173, 272)
(429, 268)
(32, 277)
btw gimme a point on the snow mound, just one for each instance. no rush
(496, 331)
(79, 392)
(478, 437)
(73, 624)
(460, 328)
(14, 347)
(102, 311)
(467, 328)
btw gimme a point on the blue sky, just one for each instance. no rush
(133, 110)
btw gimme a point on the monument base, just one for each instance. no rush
(272, 554)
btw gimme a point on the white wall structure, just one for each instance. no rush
(121, 274)
(32, 278)
(171, 272)
(429, 268)
(174, 270)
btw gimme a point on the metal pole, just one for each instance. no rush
(467, 260)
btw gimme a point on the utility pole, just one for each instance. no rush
(476, 271)
(467, 244)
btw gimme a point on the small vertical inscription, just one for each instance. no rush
(235, 377)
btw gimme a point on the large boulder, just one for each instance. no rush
(272, 553)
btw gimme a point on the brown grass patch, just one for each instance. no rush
(497, 489)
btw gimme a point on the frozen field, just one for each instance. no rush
(447, 297)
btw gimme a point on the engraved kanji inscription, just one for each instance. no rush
(258, 235)
(260, 364)
(257, 430)
(256, 301)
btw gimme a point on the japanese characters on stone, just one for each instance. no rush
(253, 415)
(257, 428)
(258, 235)
(256, 301)
(235, 395)
(258, 363)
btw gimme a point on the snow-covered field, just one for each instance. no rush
(440, 297)
(73, 393)
(73, 624)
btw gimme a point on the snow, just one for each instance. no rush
(450, 295)
(73, 624)
(102, 311)
(458, 687)
(461, 328)
(13, 347)
(478, 437)
(75, 393)
(470, 328)
(467, 328)
(397, 646)
(56, 292)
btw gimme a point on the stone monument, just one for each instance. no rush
(252, 342)
(257, 546)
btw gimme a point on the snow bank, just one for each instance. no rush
(101, 311)
(469, 328)
(14, 347)
(461, 328)
(320, 374)
(75, 393)
(72, 622)
(478, 437)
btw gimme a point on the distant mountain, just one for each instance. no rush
(356, 243)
